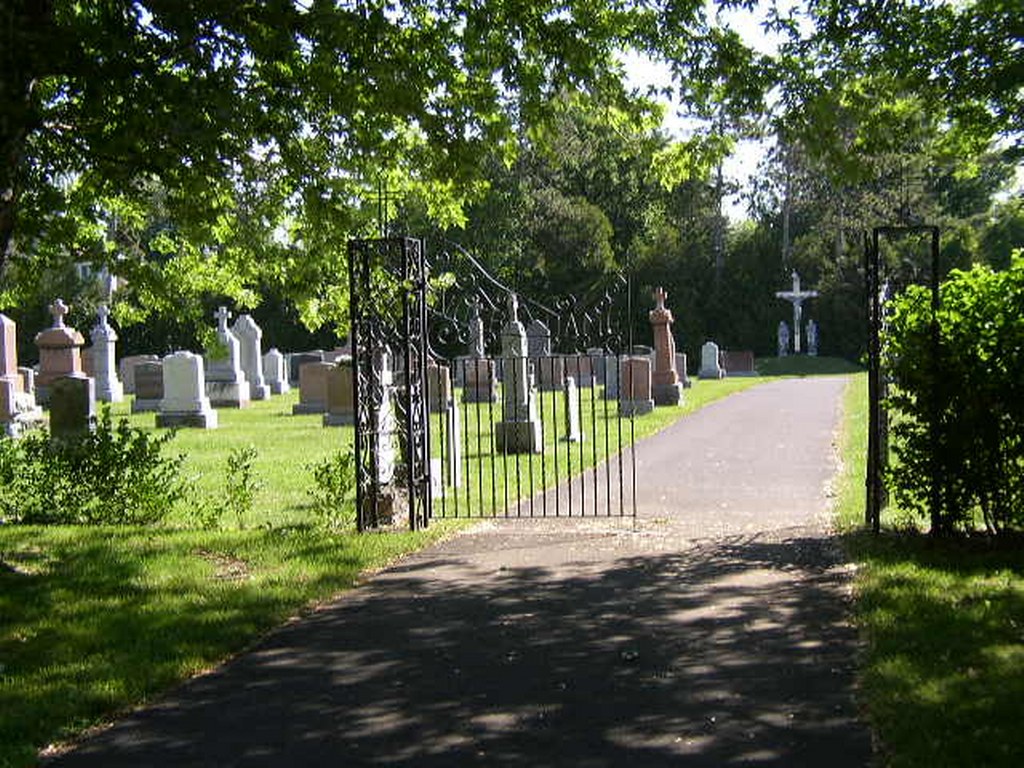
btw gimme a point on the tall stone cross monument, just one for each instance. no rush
(796, 297)
(665, 378)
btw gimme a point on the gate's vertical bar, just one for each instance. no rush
(415, 282)
(872, 268)
(937, 407)
(632, 429)
(355, 314)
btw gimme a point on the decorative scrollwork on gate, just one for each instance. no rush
(387, 282)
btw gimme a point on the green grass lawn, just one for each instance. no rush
(943, 621)
(94, 620)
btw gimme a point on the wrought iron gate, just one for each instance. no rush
(387, 284)
(883, 283)
(460, 412)
(524, 397)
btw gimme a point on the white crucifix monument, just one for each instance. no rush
(796, 297)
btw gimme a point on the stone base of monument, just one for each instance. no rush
(145, 404)
(339, 418)
(667, 394)
(192, 419)
(279, 387)
(308, 407)
(480, 392)
(228, 394)
(518, 437)
(635, 407)
(259, 391)
(109, 391)
(18, 410)
(711, 373)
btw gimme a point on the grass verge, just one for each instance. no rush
(94, 620)
(943, 621)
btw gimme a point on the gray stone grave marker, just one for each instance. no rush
(312, 388)
(635, 397)
(275, 372)
(72, 406)
(710, 367)
(104, 371)
(250, 355)
(185, 403)
(226, 385)
(519, 431)
(148, 378)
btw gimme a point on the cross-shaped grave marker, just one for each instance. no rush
(59, 309)
(222, 316)
(796, 297)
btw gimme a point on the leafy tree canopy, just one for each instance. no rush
(248, 138)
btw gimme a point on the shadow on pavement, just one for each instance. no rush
(731, 652)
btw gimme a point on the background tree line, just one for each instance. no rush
(215, 153)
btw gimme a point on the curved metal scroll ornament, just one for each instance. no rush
(462, 289)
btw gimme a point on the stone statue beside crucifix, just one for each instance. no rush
(796, 297)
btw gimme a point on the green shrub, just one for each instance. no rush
(114, 475)
(241, 485)
(334, 481)
(958, 400)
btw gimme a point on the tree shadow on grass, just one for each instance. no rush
(946, 622)
(735, 652)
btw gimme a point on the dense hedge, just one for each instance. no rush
(957, 400)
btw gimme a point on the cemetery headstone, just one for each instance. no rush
(439, 388)
(635, 397)
(550, 372)
(104, 371)
(18, 408)
(612, 372)
(149, 386)
(298, 359)
(710, 366)
(72, 406)
(573, 434)
(312, 388)
(185, 403)
(28, 380)
(796, 297)
(476, 330)
(519, 431)
(341, 396)
(581, 368)
(275, 372)
(250, 352)
(738, 362)
(667, 389)
(782, 338)
(479, 380)
(226, 385)
(440, 400)
(597, 356)
(126, 370)
(9, 350)
(684, 377)
(538, 339)
(60, 351)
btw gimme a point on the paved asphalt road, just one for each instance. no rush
(714, 632)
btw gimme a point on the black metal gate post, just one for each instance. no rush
(878, 418)
(387, 304)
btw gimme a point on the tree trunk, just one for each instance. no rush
(27, 34)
